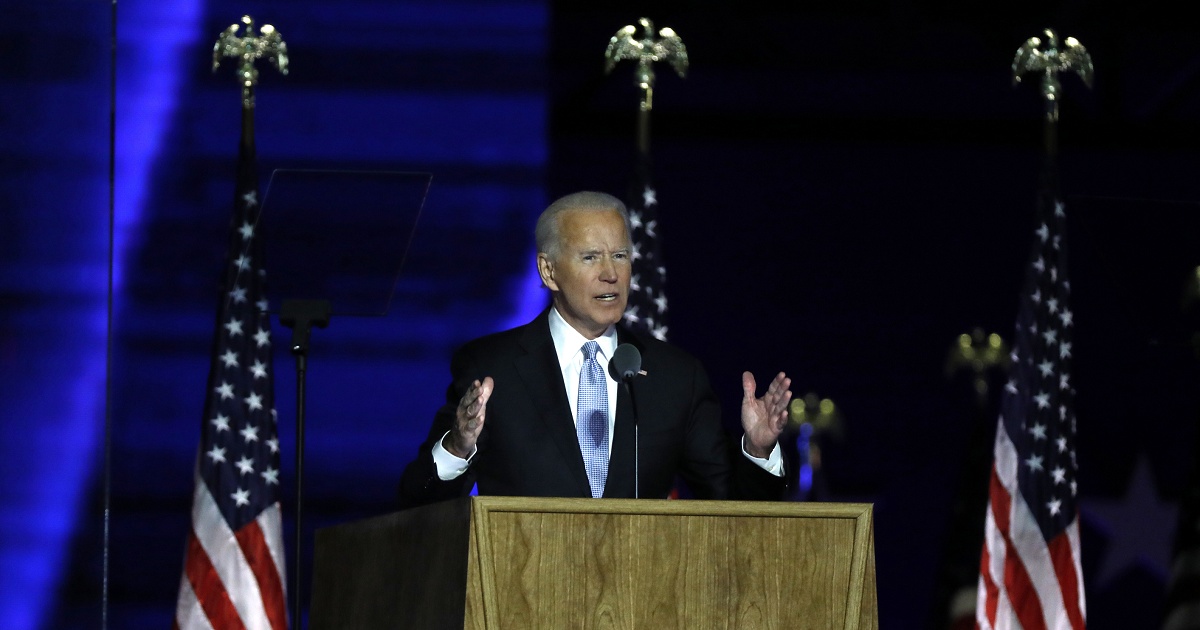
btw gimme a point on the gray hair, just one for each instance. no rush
(546, 232)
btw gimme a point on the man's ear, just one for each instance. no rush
(546, 271)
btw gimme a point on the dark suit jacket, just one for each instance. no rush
(528, 445)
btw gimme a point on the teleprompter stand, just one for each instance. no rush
(335, 242)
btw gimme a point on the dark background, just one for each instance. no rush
(845, 189)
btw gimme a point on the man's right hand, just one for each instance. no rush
(468, 419)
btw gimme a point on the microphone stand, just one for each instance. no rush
(627, 381)
(625, 364)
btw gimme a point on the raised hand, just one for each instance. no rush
(468, 419)
(763, 419)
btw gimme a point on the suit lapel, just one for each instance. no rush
(542, 376)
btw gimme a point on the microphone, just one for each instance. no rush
(625, 364)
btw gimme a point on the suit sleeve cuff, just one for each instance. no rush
(772, 464)
(451, 467)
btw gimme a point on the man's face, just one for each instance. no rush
(589, 276)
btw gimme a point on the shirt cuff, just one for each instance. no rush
(451, 467)
(772, 464)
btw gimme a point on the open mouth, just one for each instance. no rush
(607, 297)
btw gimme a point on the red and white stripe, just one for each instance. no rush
(232, 580)
(1025, 583)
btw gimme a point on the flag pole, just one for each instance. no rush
(249, 48)
(1031, 572)
(812, 417)
(668, 47)
(647, 308)
(1048, 57)
(981, 357)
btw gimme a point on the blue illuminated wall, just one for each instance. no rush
(453, 90)
(54, 147)
(841, 198)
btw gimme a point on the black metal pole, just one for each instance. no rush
(1050, 138)
(296, 582)
(106, 528)
(301, 316)
(637, 484)
(643, 130)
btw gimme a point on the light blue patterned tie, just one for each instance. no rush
(592, 425)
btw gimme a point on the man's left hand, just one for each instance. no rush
(763, 419)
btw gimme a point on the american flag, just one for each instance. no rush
(233, 574)
(647, 308)
(1029, 573)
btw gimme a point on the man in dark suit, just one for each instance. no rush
(531, 412)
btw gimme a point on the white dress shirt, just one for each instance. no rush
(568, 344)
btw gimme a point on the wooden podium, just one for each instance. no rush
(512, 563)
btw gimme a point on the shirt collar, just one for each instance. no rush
(568, 341)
